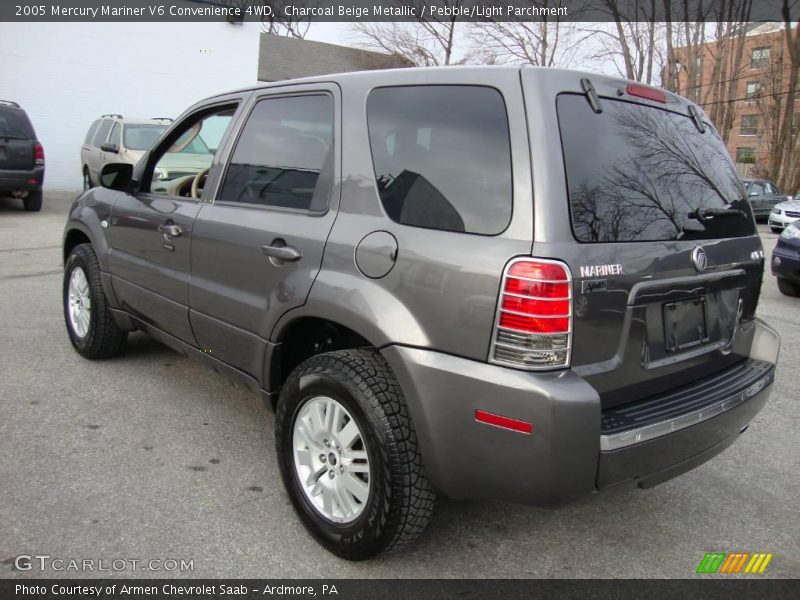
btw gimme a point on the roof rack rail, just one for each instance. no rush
(170, 119)
(9, 103)
(112, 115)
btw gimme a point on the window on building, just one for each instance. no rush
(442, 156)
(745, 155)
(759, 58)
(749, 125)
(284, 148)
(753, 90)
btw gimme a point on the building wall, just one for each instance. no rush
(65, 75)
(774, 76)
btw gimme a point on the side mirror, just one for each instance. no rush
(117, 176)
(113, 148)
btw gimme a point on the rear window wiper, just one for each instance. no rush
(710, 213)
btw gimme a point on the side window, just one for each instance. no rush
(191, 155)
(90, 134)
(282, 150)
(102, 132)
(757, 189)
(116, 135)
(442, 156)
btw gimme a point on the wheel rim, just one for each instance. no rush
(79, 306)
(330, 460)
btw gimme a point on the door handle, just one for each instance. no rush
(278, 250)
(170, 230)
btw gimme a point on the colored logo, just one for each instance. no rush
(734, 562)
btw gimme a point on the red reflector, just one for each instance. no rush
(556, 308)
(644, 91)
(537, 288)
(32, 180)
(504, 422)
(534, 270)
(534, 324)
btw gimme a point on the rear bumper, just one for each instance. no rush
(21, 180)
(562, 458)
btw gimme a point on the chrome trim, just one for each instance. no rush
(630, 437)
(567, 350)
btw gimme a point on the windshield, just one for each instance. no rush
(637, 173)
(13, 124)
(142, 137)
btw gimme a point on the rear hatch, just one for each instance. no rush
(16, 140)
(662, 246)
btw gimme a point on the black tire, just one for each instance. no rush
(104, 339)
(87, 180)
(401, 500)
(776, 229)
(33, 201)
(788, 288)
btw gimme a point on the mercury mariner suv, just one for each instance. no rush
(511, 283)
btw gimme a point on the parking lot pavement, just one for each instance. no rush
(154, 456)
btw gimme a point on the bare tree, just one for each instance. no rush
(549, 42)
(279, 22)
(424, 43)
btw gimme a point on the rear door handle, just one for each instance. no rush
(280, 251)
(170, 230)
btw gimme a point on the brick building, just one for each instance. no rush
(762, 78)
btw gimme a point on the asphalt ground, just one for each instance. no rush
(153, 456)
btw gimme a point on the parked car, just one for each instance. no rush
(763, 195)
(786, 260)
(21, 157)
(397, 263)
(783, 214)
(113, 138)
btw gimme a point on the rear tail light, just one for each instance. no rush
(533, 327)
(38, 153)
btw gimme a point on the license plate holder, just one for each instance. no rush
(685, 324)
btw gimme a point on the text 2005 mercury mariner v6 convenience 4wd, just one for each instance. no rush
(513, 283)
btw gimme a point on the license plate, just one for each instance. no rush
(685, 324)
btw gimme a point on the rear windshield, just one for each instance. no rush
(637, 173)
(142, 137)
(14, 124)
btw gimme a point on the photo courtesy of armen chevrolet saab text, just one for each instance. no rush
(520, 284)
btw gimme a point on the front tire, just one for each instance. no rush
(343, 413)
(788, 288)
(33, 201)
(90, 325)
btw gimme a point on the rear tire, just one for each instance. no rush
(33, 201)
(90, 325)
(400, 500)
(788, 288)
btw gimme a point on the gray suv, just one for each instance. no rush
(510, 283)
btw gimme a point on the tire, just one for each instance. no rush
(87, 180)
(401, 500)
(788, 288)
(102, 338)
(33, 201)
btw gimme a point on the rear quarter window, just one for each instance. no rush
(442, 156)
(638, 173)
(90, 134)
